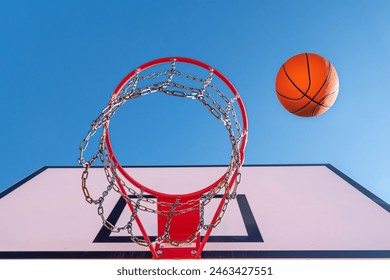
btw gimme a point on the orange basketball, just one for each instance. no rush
(307, 85)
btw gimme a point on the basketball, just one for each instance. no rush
(307, 85)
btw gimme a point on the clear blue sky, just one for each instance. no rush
(60, 60)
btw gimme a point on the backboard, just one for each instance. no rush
(281, 211)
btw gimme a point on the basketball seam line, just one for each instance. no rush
(304, 94)
(312, 99)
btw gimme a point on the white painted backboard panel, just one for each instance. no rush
(283, 211)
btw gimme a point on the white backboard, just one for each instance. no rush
(282, 211)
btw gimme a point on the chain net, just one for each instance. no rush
(172, 82)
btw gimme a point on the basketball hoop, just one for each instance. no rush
(180, 217)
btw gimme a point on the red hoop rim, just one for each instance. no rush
(232, 89)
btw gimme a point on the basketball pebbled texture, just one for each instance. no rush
(307, 85)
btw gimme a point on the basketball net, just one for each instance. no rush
(180, 218)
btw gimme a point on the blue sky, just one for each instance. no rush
(61, 60)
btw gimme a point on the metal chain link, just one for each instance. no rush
(226, 114)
